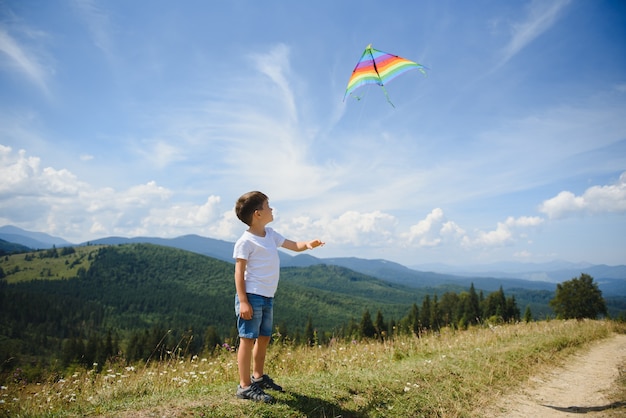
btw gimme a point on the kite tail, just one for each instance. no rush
(387, 96)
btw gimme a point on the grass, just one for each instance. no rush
(450, 374)
(31, 266)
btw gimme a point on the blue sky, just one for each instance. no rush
(150, 118)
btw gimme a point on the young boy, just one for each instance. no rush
(256, 279)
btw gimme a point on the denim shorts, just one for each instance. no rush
(262, 317)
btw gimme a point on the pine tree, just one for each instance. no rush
(528, 316)
(380, 326)
(367, 326)
(425, 313)
(309, 333)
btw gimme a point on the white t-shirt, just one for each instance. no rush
(262, 262)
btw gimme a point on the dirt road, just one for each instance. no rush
(584, 386)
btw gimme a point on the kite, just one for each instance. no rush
(378, 67)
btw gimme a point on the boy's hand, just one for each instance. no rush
(313, 244)
(245, 310)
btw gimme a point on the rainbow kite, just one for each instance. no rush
(378, 67)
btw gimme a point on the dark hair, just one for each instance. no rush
(247, 204)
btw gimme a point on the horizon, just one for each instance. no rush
(562, 264)
(152, 118)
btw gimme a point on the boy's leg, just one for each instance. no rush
(244, 359)
(260, 349)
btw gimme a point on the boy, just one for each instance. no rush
(256, 279)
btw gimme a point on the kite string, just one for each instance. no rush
(365, 91)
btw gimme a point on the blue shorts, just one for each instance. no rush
(262, 317)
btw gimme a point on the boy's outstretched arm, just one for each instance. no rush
(302, 245)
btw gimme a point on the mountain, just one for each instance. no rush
(7, 247)
(533, 276)
(221, 250)
(554, 271)
(33, 240)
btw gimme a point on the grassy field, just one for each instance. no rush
(451, 374)
(34, 266)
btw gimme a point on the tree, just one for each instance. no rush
(367, 326)
(414, 319)
(309, 332)
(425, 313)
(578, 298)
(511, 312)
(472, 306)
(495, 305)
(435, 314)
(212, 339)
(379, 324)
(528, 315)
(449, 307)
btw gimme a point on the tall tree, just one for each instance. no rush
(425, 313)
(367, 326)
(578, 298)
(472, 307)
(449, 307)
(309, 332)
(414, 319)
(212, 339)
(379, 324)
(528, 315)
(435, 314)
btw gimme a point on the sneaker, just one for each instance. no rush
(266, 382)
(253, 393)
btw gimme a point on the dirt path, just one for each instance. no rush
(584, 386)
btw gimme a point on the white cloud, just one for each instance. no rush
(23, 176)
(433, 230)
(363, 229)
(506, 232)
(595, 200)
(180, 216)
(57, 202)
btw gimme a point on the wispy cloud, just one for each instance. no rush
(98, 25)
(542, 15)
(24, 60)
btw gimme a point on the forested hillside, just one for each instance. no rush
(88, 304)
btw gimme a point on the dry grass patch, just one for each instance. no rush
(449, 374)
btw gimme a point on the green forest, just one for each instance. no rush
(141, 302)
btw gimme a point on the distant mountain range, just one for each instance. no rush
(610, 279)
